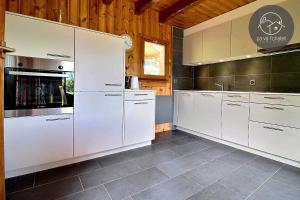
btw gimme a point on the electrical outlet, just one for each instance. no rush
(252, 83)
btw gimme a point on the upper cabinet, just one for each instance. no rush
(193, 48)
(216, 42)
(39, 38)
(241, 42)
(293, 7)
(99, 61)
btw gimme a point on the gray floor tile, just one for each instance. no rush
(65, 171)
(98, 193)
(215, 152)
(211, 172)
(178, 188)
(49, 191)
(189, 148)
(180, 165)
(274, 190)
(120, 157)
(289, 175)
(158, 147)
(19, 183)
(184, 140)
(109, 173)
(156, 158)
(245, 180)
(238, 158)
(265, 164)
(216, 192)
(135, 183)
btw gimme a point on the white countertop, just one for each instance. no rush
(140, 90)
(236, 92)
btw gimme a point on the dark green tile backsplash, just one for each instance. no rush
(276, 73)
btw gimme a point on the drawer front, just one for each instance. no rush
(139, 95)
(275, 114)
(243, 97)
(277, 140)
(278, 99)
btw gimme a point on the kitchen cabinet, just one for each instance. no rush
(275, 99)
(276, 140)
(32, 141)
(39, 38)
(207, 117)
(233, 112)
(99, 59)
(193, 49)
(216, 42)
(241, 42)
(139, 117)
(98, 122)
(185, 112)
(293, 7)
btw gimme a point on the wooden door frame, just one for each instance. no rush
(2, 176)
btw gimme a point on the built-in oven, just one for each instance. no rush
(36, 86)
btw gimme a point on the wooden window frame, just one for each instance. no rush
(142, 53)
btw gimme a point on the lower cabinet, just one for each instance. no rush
(139, 121)
(98, 122)
(273, 139)
(31, 141)
(235, 117)
(207, 117)
(185, 110)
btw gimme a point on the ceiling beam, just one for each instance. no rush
(107, 2)
(142, 5)
(178, 6)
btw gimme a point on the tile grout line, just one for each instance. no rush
(259, 187)
(107, 192)
(80, 182)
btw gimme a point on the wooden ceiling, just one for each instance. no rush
(187, 13)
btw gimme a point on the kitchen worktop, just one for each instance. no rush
(237, 92)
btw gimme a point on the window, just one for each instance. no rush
(153, 59)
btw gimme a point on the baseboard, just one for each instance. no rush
(28, 170)
(244, 148)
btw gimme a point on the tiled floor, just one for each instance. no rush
(177, 166)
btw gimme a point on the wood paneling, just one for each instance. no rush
(159, 128)
(117, 18)
(2, 185)
(197, 12)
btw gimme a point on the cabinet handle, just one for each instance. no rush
(274, 129)
(273, 108)
(57, 119)
(113, 95)
(234, 104)
(140, 103)
(234, 96)
(279, 98)
(113, 84)
(207, 95)
(140, 94)
(58, 55)
(186, 94)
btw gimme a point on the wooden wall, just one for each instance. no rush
(117, 18)
(2, 185)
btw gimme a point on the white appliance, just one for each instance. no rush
(134, 83)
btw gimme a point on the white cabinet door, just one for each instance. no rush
(185, 116)
(216, 42)
(241, 42)
(193, 48)
(38, 38)
(277, 140)
(207, 109)
(235, 118)
(31, 141)
(99, 61)
(139, 121)
(98, 122)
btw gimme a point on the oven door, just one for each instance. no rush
(29, 92)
